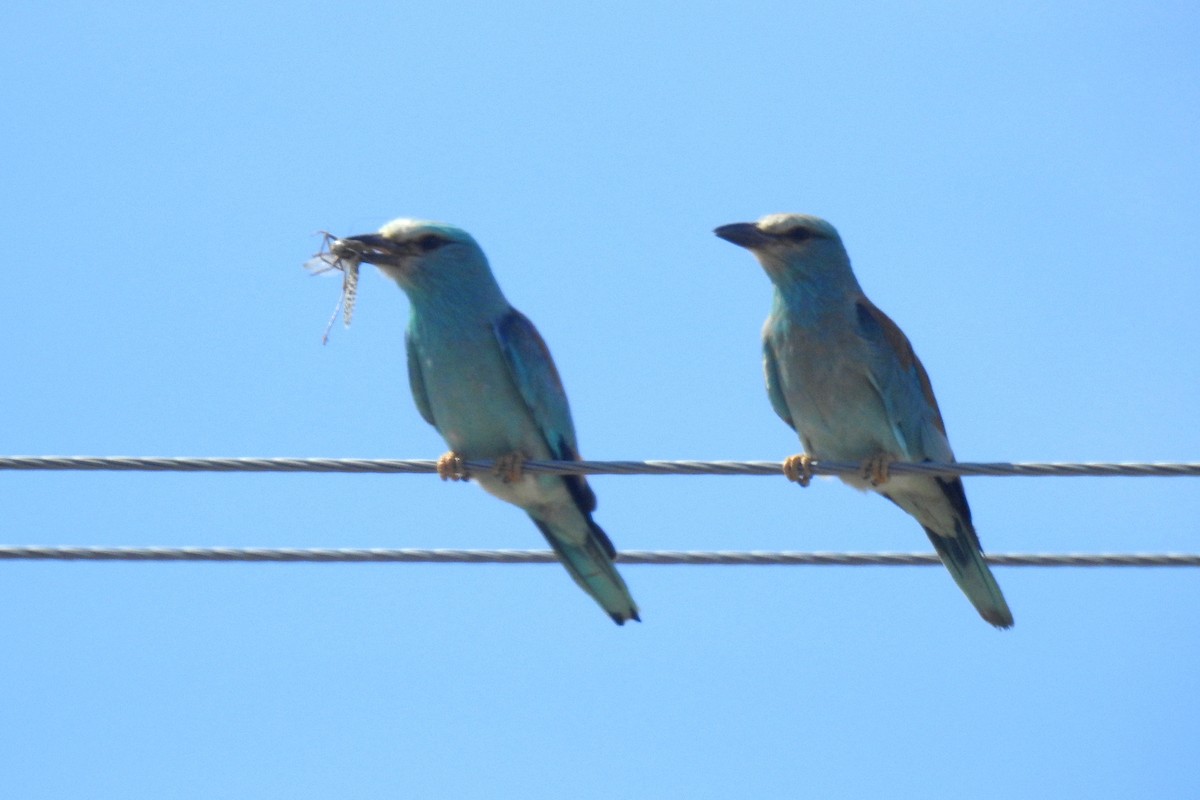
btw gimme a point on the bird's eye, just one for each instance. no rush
(430, 243)
(799, 234)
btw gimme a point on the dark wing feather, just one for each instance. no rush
(536, 378)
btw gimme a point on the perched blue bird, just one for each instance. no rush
(845, 377)
(481, 374)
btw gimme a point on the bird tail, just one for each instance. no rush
(591, 565)
(963, 557)
(957, 545)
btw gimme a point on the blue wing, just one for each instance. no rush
(774, 384)
(533, 373)
(416, 379)
(904, 387)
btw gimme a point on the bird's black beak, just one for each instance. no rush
(369, 247)
(743, 234)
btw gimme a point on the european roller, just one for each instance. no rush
(482, 376)
(845, 377)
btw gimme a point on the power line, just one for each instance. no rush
(378, 465)
(722, 557)
(659, 557)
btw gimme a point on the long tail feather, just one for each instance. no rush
(941, 508)
(964, 559)
(592, 568)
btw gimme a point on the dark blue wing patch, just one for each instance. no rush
(537, 381)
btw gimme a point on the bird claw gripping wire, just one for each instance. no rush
(510, 468)
(450, 467)
(799, 468)
(877, 469)
(345, 257)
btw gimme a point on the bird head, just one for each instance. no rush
(792, 247)
(422, 256)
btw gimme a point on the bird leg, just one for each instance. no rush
(876, 469)
(799, 468)
(450, 467)
(509, 467)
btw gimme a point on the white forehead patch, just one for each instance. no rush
(782, 224)
(405, 230)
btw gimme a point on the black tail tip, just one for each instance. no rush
(620, 620)
(1001, 621)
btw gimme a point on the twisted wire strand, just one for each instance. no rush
(726, 558)
(658, 557)
(386, 465)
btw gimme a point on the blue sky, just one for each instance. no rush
(1018, 186)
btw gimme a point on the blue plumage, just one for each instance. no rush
(481, 374)
(845, 377)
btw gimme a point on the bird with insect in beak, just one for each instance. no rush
(845, 377)
(482, 376)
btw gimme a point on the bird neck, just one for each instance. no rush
(452, 283)
(814, 294)
(457, 305)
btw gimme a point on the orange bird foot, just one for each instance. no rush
(876, 469)
(799, 469)
(450, 467)
(509, 467)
